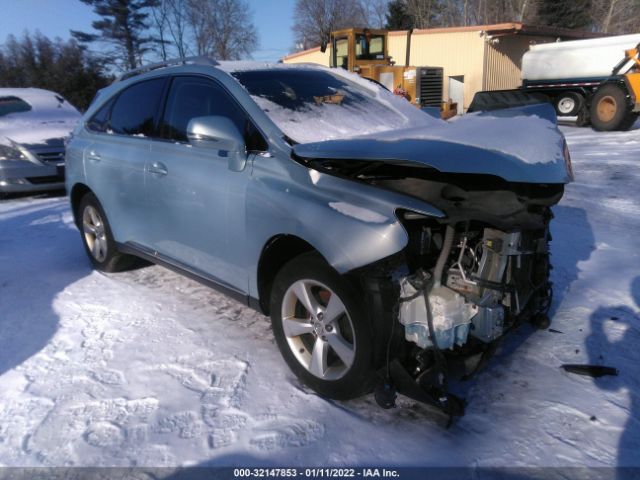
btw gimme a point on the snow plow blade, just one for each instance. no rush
(502, 99)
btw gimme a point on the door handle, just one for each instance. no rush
(92, 155)
(157, 168)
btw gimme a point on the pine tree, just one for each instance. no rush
(398, 17)
(123, 25)
(574, 14)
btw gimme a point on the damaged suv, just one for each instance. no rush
(387, 246)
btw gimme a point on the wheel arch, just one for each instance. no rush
(78, 191)
(278, 250)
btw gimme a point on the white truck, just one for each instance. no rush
(594, 80)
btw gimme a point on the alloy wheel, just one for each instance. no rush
(94, 233)
(318, 329)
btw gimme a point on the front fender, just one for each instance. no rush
(350, 224)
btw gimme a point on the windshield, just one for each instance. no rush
(310, 104)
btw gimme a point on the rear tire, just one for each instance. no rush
(568, 104)
(321, 328)
(609, 108)
(583, 119)
(97, 237)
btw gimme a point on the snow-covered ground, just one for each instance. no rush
(149, 368)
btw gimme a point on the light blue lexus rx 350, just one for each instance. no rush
(387, 246)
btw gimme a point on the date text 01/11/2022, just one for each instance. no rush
(315, 472)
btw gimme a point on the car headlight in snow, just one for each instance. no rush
(10, 153)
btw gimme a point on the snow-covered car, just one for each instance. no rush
(33, 126)
(387, 246)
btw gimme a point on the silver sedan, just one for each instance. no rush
(33, 126)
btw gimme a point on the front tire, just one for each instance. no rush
(321, 328)
(97, 237)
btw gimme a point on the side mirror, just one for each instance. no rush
(215, 132)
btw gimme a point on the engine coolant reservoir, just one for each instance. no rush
(451, 316)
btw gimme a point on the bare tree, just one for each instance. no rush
(234, 35)
(160, 17)
(424, 12)
(376, 11)
(199, 21)
(177, 25)
(483, 12)
(616, 16)
(609, 16)
(221, 28)
(314, 20)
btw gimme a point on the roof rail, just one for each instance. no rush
(197, 60)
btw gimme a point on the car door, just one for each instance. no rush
(116, 156)
(196, 200)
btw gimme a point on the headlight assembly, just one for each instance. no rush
(10, 153)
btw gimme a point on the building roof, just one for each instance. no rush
(494, 30)
(303, 52)
(511, 28)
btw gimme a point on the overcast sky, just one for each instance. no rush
(53, 18)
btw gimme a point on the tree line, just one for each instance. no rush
(61, 66)
(131, 32)
(315, 19)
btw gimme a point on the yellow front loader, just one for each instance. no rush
(365, 52)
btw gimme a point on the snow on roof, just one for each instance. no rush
(231, 66)
(39, 99)
(50, 116)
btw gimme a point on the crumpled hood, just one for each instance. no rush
(518, 144)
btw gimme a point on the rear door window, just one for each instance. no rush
(135, 111)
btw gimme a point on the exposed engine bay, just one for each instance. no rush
(483, 281)
(467, 285)
(463, 281)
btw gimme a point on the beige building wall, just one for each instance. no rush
(397, 47)
(313, 55)
(503, 61)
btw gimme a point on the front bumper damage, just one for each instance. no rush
(454, 312)
(464, 278)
